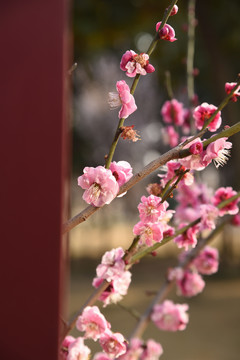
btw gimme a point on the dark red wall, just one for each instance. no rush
(33, 147)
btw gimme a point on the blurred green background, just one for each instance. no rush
(103, 31)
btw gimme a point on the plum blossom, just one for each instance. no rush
(100, 185)
(190, 198)
(152, 350)
(207, 261)
(166, 33)
(123, 98)
(203, 112)
(112, 269)
(134, 351)
(194, 161)
(77, 350)
(149, 232)
(173, 169)
(229, 87)
(188, 238)
(101, 356)
(190, 284)
(173, 112)
(208, 214)
(151, 209)
(122, 171)
(169, 316)
(92, 322)
(113, 344)
(135, 64)
(170, 136)
(222, 194)
(65, 345)
(218, 151)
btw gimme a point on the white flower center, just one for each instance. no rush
(222, 158)
(114, 100)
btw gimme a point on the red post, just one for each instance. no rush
(33, 148)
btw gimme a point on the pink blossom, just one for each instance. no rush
(207, 261)
(170, 136)
(166, 33)
(203, 112)
(65, 345)
(169, 316)
(229, 87)
(173, 112)
(113, 344)
(196, 148)
(134, 351)
(77, 350)
(122, 171)
(174, 10)
(218, 151)
(123, 98)
(92, 322)
(172, 168)
(112, 269)
(152, 350)
(116, 289)
(100, 184)
(112, 264)
(135, 64)
(208, 214)
(190, 284)
(188, 238)
(151, 209)
(149, 232)
(101, 356)
(223, 194)
(194, 162)
(175, 273)
(236, 220)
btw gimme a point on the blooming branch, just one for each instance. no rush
(175, 153)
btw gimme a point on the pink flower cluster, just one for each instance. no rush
(112, 269)
(96, 327)
(154, 217)
(207, 261)
(190, 200)
(173, 168)
(122, 98)
(102, 185)
(169, 316)
(223, 194)
(188, 237)
(135, 64)
(218, 151)
(175, 114)
(73, 349)
(188, 283)
(138, 350)
(203, 112)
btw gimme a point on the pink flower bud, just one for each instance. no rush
(196, 148)
(174, 10)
